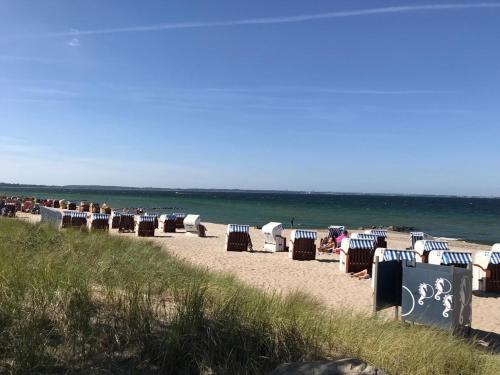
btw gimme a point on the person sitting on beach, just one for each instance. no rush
(339, 239)
(361, 275)
(327, 246)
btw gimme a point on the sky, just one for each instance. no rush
(342, 96)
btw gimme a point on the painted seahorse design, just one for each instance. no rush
(443, 286)
(425, 291)
(464, 298)
(448, 304)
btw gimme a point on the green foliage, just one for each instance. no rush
(92, 302)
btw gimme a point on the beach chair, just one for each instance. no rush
(238, 238)
(126, 222)
(273, 240)
(94, 208)
(192, 224)
(418, 236)
(99, 221)
(450, 258)
(105, 209)
(71, 206)
(356, 254)
(78, 219)
(167, 223)
(333, 232)
(56, 203)
(145, 226)
(486, 270)
(63, 205)
(381, 234)
(156, 216)
(179, 221)
(423, 247)
(302, 245)
(66, 219)
(385, 255)
(115, 219)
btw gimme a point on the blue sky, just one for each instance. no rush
(353, 96)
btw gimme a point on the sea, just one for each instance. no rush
(471, 219)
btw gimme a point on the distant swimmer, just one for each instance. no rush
(291, 221)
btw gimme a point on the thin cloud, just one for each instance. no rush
(274, 20)
(74, 42)
(11, 58)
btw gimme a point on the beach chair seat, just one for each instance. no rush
(126, 222)
(302, 245)
(168, 223)
(238, 238)
(145, 226)
(356, 254)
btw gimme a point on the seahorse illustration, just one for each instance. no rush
(464, 297)
(448, 304)
(443, 286)
(425, 291)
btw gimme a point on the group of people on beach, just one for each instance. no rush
(332, 244)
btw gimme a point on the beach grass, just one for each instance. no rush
(92, 302)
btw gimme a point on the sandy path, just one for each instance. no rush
(320, 278)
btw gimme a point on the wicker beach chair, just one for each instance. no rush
(126, 222)
(156, 216)
(356, 254)
(167, 223)
(423, 247)
(179, 221)
(302, 245)
(238, 238)
(486, 270)
(84, 206)
(78, 219)
(71, 206)
(145, 226)
(381, 236)
(418, 236)
(385, 255)
(99, 221)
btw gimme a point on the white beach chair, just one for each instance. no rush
(486, 270)
(273, 240)
(192, 224)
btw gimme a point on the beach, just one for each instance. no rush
(276, 272)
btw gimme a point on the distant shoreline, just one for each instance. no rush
(214, 190)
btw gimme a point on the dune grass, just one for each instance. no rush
(90, 302)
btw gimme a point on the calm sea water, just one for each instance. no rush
(474, 219)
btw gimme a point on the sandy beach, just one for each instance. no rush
(276, 272)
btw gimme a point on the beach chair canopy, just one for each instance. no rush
(377, 232)
(180, 215)
(151, 214)
(96, 216)
(238, 228)
(365, 236)
(496, 247)
(115, 214)
(427, 245)
(146, 218)
(79, 215)
(167, 217)
(393, 254)
(357, 243)
(301, 233)
(455, 257)
(335, 230)
(271, 230)
(495, 257)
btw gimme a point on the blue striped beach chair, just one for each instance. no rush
(238, 238)
(179, 221)
(126, 222)
(423, 247)
(486, 270)
(418, 236)
(167, 223)
(78, 219)
(99, 221)
(381, 236)
(356, 254)
(302, 244)
(450, 258)
(146, 226)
